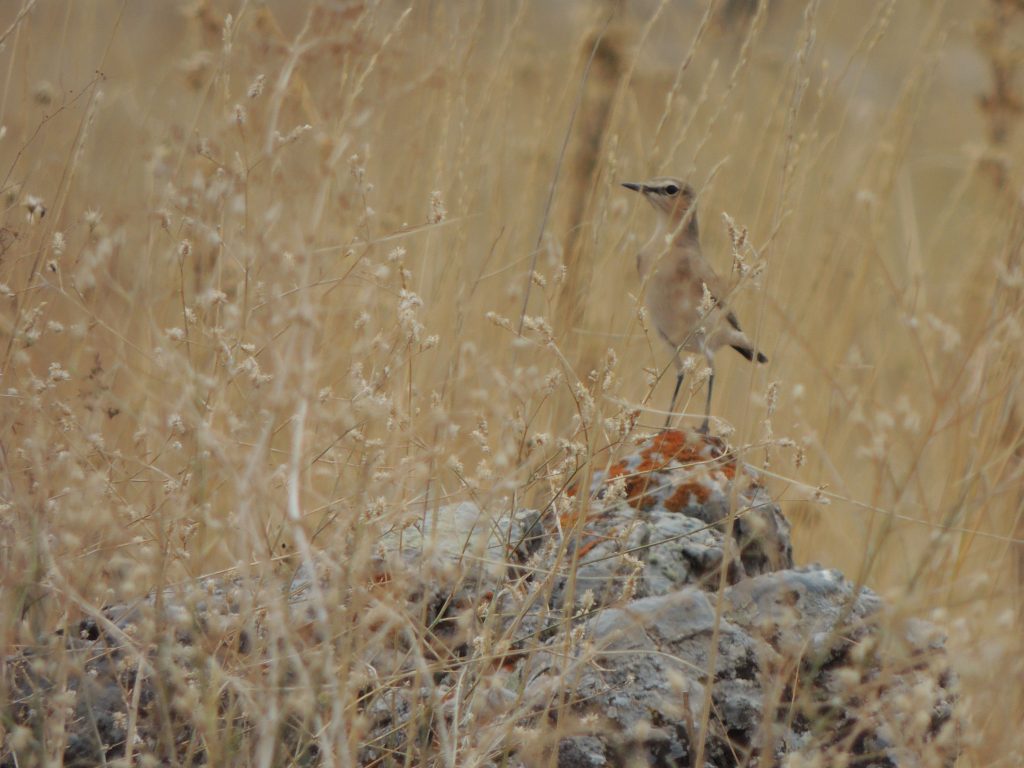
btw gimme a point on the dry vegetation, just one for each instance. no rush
(275, 305)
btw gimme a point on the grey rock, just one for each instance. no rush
(606, 618)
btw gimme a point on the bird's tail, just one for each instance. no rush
(748, 352)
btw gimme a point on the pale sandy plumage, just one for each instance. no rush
(675, 273)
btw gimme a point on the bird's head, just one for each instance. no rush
(671, 198)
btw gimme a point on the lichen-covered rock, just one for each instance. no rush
(797, 659)
(665, 517)
(797, 669)
(694, 476)
(582, 634)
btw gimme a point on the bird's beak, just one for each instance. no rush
(634, 187)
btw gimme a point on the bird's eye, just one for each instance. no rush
(671, 189)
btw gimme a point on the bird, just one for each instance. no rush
(684, 297)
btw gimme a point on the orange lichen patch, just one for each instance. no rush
(510, 661)
(637, 479)
(636, 493)
(649, 465)
(617, 469)
(728, 469)
(637, 485)
(664, 453)
(588, 546)
(672, 445)
(573, 518)
(680, 498)
(593, 540)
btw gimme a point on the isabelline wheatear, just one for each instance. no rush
(685, 298)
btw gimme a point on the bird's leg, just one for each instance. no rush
(675, 394)
(707, 408)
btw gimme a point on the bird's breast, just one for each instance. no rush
(672, 297)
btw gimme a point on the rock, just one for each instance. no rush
(590, 630)
(787, 650)
(667, 506)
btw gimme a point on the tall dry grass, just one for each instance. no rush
(274, 304)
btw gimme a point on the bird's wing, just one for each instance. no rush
(735, 338)
(716, 286)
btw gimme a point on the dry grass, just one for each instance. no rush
(253, 321)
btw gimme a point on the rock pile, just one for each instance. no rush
(589, 629)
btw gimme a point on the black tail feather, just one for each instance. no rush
(749, 354)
